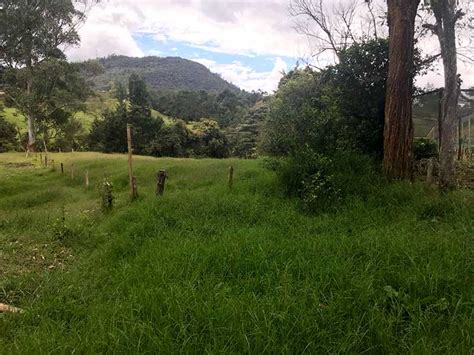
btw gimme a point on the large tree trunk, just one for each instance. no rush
(398, 131)
(445, 13)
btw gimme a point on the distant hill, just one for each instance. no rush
(162, 74)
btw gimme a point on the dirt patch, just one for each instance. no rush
(21, 165)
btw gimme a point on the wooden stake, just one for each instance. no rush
(41, 159)
(52, 164)
(62, 168)
(134, 186)
(45, 153)
(86, 179)
(231, 176)
(130, 170)
(72, 171)
(469, 133)
(160, 182)
(46, 161)
(429, 172)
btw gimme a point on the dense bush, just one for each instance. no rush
(226, 107)
(425, 148)
(299, 116)
(209, 140)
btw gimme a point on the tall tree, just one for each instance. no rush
(31, 32)
(446, 14)
(398, 131)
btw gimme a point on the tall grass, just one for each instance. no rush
(205, 269)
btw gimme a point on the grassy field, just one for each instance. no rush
(204, 269)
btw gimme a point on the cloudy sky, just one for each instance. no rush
(249, 42)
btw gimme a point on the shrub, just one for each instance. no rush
(322, 182)
(8, 136)
(307, 175)
(425, 148)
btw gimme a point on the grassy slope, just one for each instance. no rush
(204, 269)
(96, 106)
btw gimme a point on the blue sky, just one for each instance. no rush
(150, 46)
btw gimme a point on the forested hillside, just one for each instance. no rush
(162, 74)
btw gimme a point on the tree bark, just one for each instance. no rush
(398, 130)
(446, 17)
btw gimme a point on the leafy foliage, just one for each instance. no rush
(425, 148)
(57, 91)
(244, 134)
(300, 115)
(33, 31)
(358, 85)
(209, 140)
(227, 107)
(8, 136)
(339, 108)
(33, 35)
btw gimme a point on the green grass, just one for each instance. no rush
(13, 116)
(204, 269)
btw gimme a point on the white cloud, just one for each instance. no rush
(244, 27)
(106, 32)
(247, 78)
(241, 27)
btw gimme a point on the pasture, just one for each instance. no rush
(205, 269)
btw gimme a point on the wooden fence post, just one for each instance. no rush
(231, 176)
(46, 161)
(41, 159)
(86, 179)
(160, 182)
(62, 168)
(134, 188)
(52, 164)
(72, 171)
(130, 169)
(429, 172)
